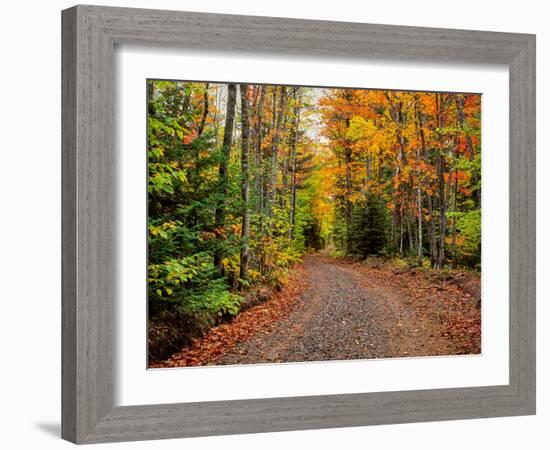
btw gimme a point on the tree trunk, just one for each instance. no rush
(285, 163)
(409, 231)
(215, 118)
(368, 175)
(293, 168)
(186, 101)
(401, 230)
(258, 135)
(398, 118)
(219, 215)
(245, 189)
(459, 100)
(419, 177)
(442, 212)
(266, 177)
(204, 111)
(420, 213)
(432, 233)
(150, 98)
(443, 186)
(275, 150)
(453, 229)
(348, 177)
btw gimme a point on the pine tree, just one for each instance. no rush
(366, 235)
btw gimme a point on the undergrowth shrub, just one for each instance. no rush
(186, 297)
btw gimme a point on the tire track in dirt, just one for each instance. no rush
(346, 312)
(336, 318)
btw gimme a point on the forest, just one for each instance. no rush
(244, 180)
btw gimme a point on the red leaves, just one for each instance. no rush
(258, 319)
(449, 301)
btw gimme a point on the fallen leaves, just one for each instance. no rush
(426, 313)
(257, 319)
(449, 299)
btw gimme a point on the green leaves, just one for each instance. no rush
(191, 284)
(161, 182)
(468, 225)
(164, 229)
(165, 178)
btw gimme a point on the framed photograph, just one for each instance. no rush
(267, 222)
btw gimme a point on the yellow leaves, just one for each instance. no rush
(360, 129)
(254, 274)
(321, 209)
(392, 143)
(163, 229)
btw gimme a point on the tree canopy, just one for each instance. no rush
(244, 179)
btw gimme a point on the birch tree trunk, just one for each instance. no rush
(275, 150)
(219, 215)
(245, 188)
(409, 231)
(258, 135)
(293, 167)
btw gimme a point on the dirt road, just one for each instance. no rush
(343, 314)
(334, 309)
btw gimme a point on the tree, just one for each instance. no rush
(294, 146)
(224, 175)
(278, 116)
(417, 153)
(245, 233)
(236, 194)
(367, 234)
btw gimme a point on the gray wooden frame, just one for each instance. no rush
(89, 36)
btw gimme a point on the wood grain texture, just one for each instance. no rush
(89, 36)
(68, 225)
(523, 224)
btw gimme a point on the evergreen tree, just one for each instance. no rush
(366, 235)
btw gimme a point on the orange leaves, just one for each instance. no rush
(447, 300)
(462, 176)
(472, 104)
(428, 104)
(401, 146)
(187, 138)
(257, 319)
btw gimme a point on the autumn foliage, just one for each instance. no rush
(245, 179)
(407, 165)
